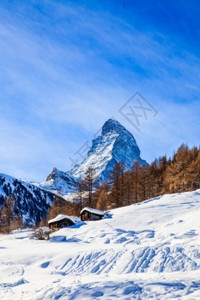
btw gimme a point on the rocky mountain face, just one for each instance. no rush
(115, 144)
(32, 202)
(59, 181)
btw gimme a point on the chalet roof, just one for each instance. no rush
(93, 211)
(62, 217)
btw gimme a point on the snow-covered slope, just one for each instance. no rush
(32, 201)
(150, 250)
(115, 144)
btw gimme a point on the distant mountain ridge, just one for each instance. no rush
(32, 201)
(59, 181)
(115, 144)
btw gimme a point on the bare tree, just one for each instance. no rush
(89, 183)
(81, 190)
(102, 197)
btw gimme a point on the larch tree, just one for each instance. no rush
(117, 185)
(89, 184)
(102, 197)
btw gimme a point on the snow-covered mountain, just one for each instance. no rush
(59, 181)
(150, 250)
(115, 144)
(32, 201)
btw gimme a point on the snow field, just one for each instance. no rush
(150, 250)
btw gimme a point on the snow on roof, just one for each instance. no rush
(62, 217)
(93, 211)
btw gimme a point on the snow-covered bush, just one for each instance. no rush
(41, 233)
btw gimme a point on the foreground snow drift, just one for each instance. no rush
(150, 250)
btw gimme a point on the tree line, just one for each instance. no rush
(180, 173)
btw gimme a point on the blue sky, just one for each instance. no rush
(68, 66)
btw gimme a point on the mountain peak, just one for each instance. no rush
(55, 172)
(112, 125)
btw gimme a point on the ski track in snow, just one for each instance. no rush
(150, 250)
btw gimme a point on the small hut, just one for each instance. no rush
(91, 214)
(62, 221)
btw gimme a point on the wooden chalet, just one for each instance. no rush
(91, 214)
(62, 221)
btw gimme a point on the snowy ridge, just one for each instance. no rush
(59, 181)
(98, 157)
(150, 250)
